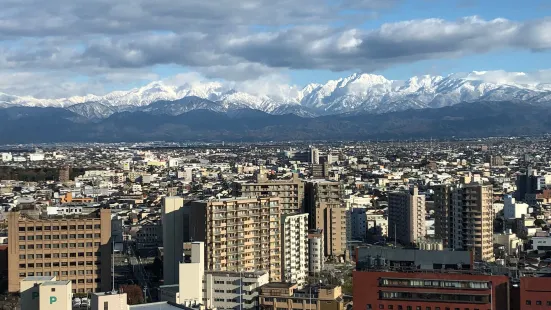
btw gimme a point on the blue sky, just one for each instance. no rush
(507, 60)
(62, 48)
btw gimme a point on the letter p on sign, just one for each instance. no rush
(53, 299)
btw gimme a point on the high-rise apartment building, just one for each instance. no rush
(240, 234)
(290, 192)
(442, 207)
(471, 225)
(314, 156)
(294, 254)
(406, 216)
(74, 248)
(329, 214)
(173, 237)
(64, 174)
(315, 251)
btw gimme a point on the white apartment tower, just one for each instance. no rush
(315, 251)
(294, 258)
(406, 216)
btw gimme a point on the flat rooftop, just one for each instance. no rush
(37, 278)
(159, 306)
(55, 283)
(278, 285)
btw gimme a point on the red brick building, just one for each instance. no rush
(430, 290)
(535, 293)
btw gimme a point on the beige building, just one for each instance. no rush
(45, 293)
(406, 216)
(109, 300)
(329, 214)
(173, 237)
(472, 225)
(241, 234)
(290, 192)
(287, 296)
(72, 248)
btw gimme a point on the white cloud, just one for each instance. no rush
(108, 40)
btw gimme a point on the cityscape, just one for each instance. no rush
(418, 224)
(275, 155)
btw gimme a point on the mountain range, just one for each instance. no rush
(358, 107)
(358, 93)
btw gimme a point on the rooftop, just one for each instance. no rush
(37, 278)
(55, 283)
(159, 306)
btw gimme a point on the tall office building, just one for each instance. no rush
(406, 216)
(290, 192)
(442, 208)
(71, 248)
(328, 213)
(294, 254)
(173, 237)
(241, 234)
(471, 225)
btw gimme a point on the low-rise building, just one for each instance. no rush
(279, 295)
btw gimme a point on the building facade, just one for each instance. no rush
(241, 234)
(442, 207)
(472, 217)
(406, 216)
(316, 252)
(290, 192)
(289, 297)
(294, 254)
(71, 248)
(435, 290)
(173, 237)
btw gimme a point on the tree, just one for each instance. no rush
(539, 222)
(134, 293)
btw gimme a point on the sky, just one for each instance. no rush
(62, 48)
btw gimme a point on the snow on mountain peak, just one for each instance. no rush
(357, 92)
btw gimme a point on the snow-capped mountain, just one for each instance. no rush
(356, 93)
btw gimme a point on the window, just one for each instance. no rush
(39, 246)
(96, 235)
(21, 247)
(39, 237)
(21, 256)
(22, 266)
(80, 226)
(64, 237)
(38, 228)
(21, 228)
(89, 244)
(30, 265)
(55, 227)
(64, 227)
(381, 306)
(55, 245)
(30, 256)
(64, 273)
(105, 305)
(390, 307)
(72, 227)
(368, 307)
(55, 237)
(22, 238)
(48, 265)
(528, 302)
(47, 246)
(30, 247)
(56, 264)
(73, 254)
(47, 237)
(80, 236)
(47, 255)
(30, 238)
(548, 303)
(538, 302)
(96, 226)
(47, 228)
(89, 236)
(81, 245)
(88, 226)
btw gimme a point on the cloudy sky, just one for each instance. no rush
(60, 48)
